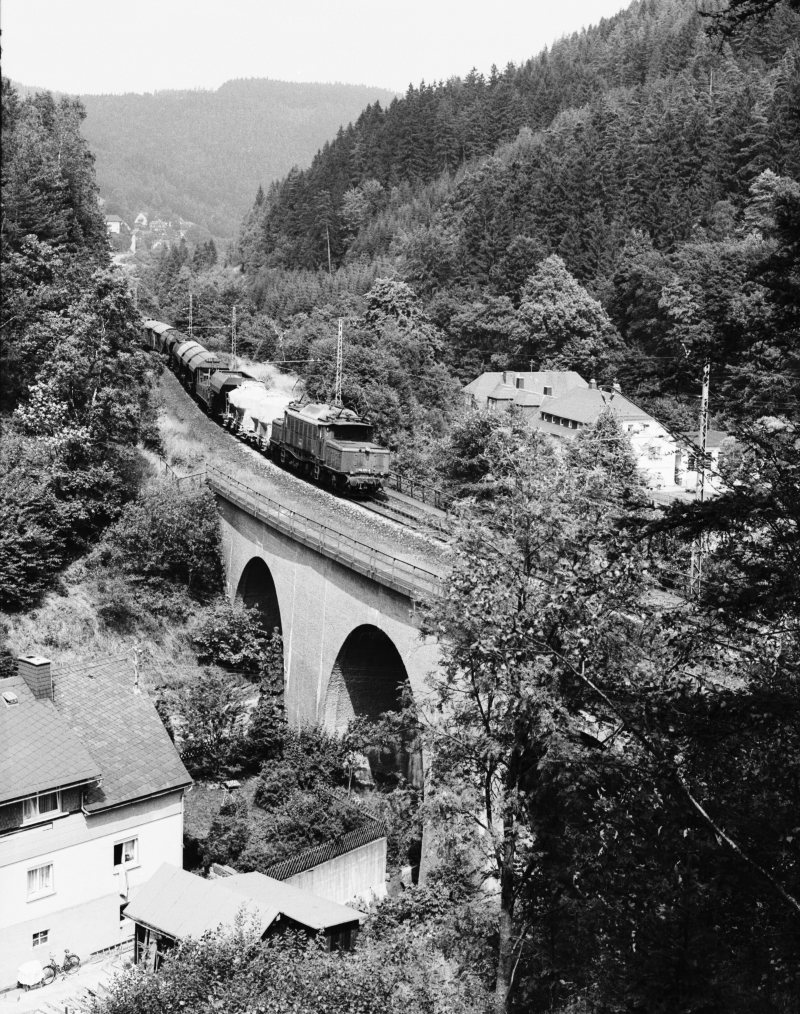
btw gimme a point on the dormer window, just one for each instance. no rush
(48, 804)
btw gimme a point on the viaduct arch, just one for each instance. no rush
(351, 639)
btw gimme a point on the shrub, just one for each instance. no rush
(168, 534)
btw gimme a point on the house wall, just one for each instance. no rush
(655, 452)
(357, 874)
(82, 913)
(689, 478)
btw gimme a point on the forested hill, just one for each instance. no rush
(203, 154)
(643, 121)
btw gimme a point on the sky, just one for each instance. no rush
(91, 46)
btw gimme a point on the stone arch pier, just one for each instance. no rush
(350, 638)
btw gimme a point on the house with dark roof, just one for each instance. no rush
(91, 804)
(529, 392)
(175, 905)
(114, 223)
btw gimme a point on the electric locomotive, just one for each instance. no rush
(331, 445)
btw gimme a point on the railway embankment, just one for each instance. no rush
(192, 440)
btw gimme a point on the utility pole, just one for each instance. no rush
(696, 579)
(190, 316)
(233, 339)
(337, 397)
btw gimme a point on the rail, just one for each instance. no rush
(391, 571)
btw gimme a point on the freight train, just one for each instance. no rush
(328, 444)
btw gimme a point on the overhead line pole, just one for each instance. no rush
(696, 579)
(234, 348)
(190, 316)
(337, 396)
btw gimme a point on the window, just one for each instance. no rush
(40, 938)
(40, 881)
(126, 852)
(45, 805)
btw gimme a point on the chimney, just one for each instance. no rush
(35, 670)
(592, 384)
(520, 383)
(615, 387)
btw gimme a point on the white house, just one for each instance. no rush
(113, 223)
(686, 471)
(141, 220)
(91, 804)
(653, 445)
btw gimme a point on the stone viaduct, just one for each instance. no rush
(345, 609)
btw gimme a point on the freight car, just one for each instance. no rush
(332, 445)
(329, 444)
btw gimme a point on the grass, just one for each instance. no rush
(70, 625)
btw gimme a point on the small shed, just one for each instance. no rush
(175, 904)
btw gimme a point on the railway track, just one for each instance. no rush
(404, 510)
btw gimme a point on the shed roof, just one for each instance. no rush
(121, 729)
(181, 904)
(39, 751)
(304, 907)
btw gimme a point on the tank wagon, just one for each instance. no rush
(325, 443)
(332, 445)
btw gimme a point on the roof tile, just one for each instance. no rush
(121, 728)
(38, 750)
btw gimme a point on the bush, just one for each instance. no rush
(50, 513)
(168, 534)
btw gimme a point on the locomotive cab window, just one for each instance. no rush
(353, 432)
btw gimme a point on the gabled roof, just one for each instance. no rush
(585, 405)
(113, 218)
(493, 384)
(38, 750)
(182, 904)
(304, 907)
(121, 729)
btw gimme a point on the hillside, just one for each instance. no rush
(641, 121)
(203, 154)
(631, 161)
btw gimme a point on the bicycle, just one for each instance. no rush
(71, 964)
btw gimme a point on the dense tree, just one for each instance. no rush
(560, 327)
(579, 724)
